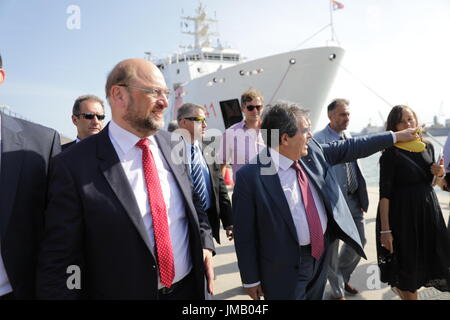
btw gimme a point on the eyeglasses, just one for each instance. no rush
(90, 116)
(152, 91)
(196, 119)
(305, 130)
(250, 108)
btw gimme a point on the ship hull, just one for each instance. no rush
(306, 82)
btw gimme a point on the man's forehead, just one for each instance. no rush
(342, 108)
(254, 100)
(304, 123)
(152, 78)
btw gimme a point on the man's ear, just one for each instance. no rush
(2, 75)
(75, 120)
(284, 139)
(118, 96)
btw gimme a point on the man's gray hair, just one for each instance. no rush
(282, 116)
(76, 106)
(187, 109)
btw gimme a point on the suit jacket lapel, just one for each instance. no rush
(272, 184)
(315, 176)
(180, 172)
(117, 179)
(12, 156)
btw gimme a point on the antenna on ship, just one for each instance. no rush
(334, 5)
(201, 28)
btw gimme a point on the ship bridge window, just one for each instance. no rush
(231, 112)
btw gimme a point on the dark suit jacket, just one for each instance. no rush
(26, 149)
(340, 170)
(93, 221)
(220, 209)
(68, 144)
(266, 241)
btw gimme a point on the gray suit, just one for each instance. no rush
(344, 263)
(267, 246)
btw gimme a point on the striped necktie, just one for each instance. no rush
(197, 175)
(352, 182)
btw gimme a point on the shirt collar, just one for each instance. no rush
(125, 139)
(334, 134)
(280, 161)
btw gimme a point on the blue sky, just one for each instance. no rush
(398, 47)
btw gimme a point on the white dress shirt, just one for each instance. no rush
(5, 286)
(291, 189)
(130, 156)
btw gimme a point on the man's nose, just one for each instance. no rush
(95, 120)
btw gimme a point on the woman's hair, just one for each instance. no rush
(395, 116)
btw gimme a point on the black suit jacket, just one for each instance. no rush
(220, 209)
(26, 149)
(68, 144)
(93, 221)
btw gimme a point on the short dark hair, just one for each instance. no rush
(337, 102)
(187, 109)
(76, 106)
(282, 116)
(1, 62)
(173, 125)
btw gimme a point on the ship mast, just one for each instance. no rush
(201, 28)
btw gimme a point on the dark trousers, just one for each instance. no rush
(312, 277)
(185, 289)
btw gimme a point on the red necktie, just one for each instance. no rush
(312, 215)
(164, 250)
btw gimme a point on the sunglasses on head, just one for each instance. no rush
(90, 116)
(196, 119)
(250, 108)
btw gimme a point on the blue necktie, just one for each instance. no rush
(197, 175)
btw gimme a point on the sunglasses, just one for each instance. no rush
(90, 116)
(196, 119)
(250, 108)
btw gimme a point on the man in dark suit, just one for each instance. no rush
(353, 187)
(209, 182)
(26, 149)
(88, 114)
(288, 207)
(121, 222)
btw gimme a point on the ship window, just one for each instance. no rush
(231, 112)
(178, 71)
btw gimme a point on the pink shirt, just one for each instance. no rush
(239, 146)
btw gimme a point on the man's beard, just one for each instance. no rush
(140, 124)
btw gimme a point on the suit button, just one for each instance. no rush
(154, 267)
(296, 267)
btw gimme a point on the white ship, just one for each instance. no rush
(216, 77)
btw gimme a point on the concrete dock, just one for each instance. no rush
(365, 278)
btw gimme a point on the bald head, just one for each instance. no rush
(127, 71)
(137, 93)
